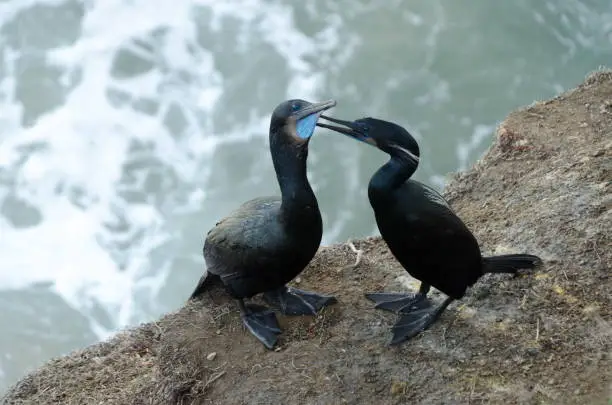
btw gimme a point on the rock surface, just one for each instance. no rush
(544, 187)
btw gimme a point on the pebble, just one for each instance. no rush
(398, 388)
(211, 356)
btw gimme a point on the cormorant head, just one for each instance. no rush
(385, 135)
(297, 119)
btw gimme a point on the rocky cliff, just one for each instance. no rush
(543, 187)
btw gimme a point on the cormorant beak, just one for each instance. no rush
(314, 109)
(353, 130)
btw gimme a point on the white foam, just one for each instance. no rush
(85, 143)
(479, 135)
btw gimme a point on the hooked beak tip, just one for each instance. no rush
(315, 108)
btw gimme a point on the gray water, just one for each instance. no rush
(130, 127)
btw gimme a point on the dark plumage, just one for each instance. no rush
(268, 241)
(421, 230)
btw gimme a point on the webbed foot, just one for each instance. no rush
(411, 324)
(261, 322)
(291, 301)
(398, 302)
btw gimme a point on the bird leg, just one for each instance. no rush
(355, 250)
(411, 324)
(401, 303)
(291, 301)
(261, 322)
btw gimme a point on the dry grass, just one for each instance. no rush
(542, 338)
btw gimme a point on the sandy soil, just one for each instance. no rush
(544, 187)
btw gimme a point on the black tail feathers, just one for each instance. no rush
(206, 281)
(510, 263)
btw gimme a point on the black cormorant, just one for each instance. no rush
(421, 230)
(268, 241)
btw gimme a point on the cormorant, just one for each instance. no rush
(268, 241)
(422, 231)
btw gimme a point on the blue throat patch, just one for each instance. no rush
(305, 127)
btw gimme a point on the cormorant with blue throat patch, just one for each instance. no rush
(268, 241)
(420, 228)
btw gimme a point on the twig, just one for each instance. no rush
(444, 337)
(472, 390)
(523, 300)
(537, 329)
(214, 378)
(355, 250)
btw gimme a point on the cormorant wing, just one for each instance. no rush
(246, 238)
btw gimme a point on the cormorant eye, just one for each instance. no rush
(295, 107)
(363, 127)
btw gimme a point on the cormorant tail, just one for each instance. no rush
(206, 281)
(510, 263)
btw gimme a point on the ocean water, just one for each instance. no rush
(127, 128)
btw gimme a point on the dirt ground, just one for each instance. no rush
(544, 187)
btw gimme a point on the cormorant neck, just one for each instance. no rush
(389, 177)
(298, 199)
